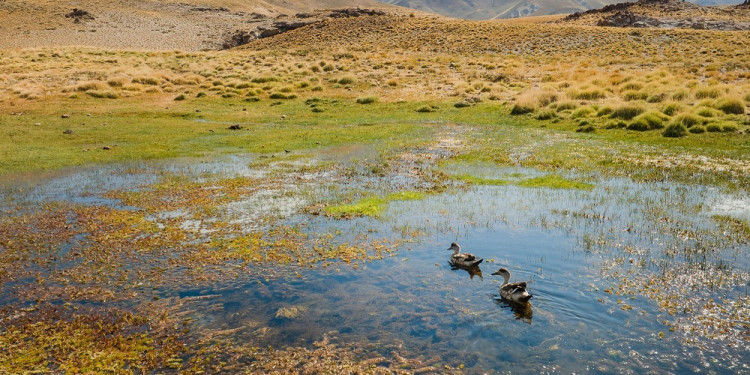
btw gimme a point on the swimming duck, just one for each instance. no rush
(515, 292)
(464, 260)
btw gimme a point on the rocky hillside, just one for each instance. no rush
(495, 9)
(668, 14)
(151, 24)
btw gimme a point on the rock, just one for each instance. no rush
(68, 132)
(235, 127)
(79, 15)
(65, 116)
(37, 124)
(106, 148)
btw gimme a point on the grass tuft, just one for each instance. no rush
(372, 206)
(554, 182)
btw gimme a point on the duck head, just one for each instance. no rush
(455, 248)
(504, 273)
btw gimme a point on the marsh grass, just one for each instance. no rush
(554, 182)
(371, 206)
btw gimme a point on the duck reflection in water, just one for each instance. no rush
(473, 270)
(521, 310)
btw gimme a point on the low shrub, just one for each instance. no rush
(654, 119)
(627, 112)
(680, 95)
(102, 94)
(708, 93)
(713, 128)
(634, 95)
(566, 106)
(675, 130)
(731, 106)
(658, 98)
(264, 79)
(425, 109)
(522, 109)
(546, 115)
(594, 94)
(367, 100)
(706, 112)
(697, 130)
(615, 124)
(586, 129)
(604, 111)
(582, 112)
(638, 125)
(688, 120)
(346, 81)
(670, 109)
(179, 97)
(729, 128)
(279, 95)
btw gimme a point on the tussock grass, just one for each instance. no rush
(730, 106)
(367, 100)
(675, 130)
(627, 112)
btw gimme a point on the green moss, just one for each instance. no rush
(554, 182)
(372, 206)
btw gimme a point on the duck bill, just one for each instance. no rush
(495, 273)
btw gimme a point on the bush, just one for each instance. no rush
(654, 119)
(616, 124)
(425, 109)
(566, 106)
(200, 94)
(627, 112)
(688, 120)
(367, 100)
(589, 95)
(639, 125)
(680, 95)
(604, 111)
(635, 95)
(264, 79)
(632, 86)
(676, 130)
(656, 98)
(102, 94)
(346, 81)
(713, 128)
(179, 97)
(707, 93)
(279, 95)
(522, 109)
(729, 128)
(732, 106)
(670, 109)
(706, 112)
(462, 104)
(697, 130)
(586, 129)
(582, 112)
(546, 115)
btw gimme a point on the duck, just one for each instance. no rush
(464, 260)
(515, 292)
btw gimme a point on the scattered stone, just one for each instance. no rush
(68, 132)
(106, 148)
(65, 116)
(283, 117)
(235, 127)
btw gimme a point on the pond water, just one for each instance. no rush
(598, 263)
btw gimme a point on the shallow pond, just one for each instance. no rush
(625, 276)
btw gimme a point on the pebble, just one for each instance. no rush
(106, 148)
(65, 116)
(68, 132)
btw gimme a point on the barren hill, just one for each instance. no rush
(149, 24)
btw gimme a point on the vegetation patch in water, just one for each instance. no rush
(474, 180)
(554, 182)
(371, 206)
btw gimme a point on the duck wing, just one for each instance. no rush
(469, 256)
